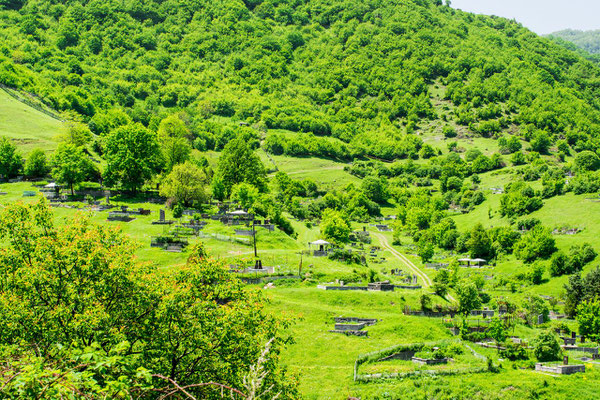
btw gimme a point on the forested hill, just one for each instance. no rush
(358, 71)
(587, 40)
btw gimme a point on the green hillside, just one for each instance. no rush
(27, 127)
(586, 40)
(414, 139)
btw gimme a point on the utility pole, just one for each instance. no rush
(254, 240)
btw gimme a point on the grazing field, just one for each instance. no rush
(27, 127)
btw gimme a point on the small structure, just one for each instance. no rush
(383, 228)
(483, 313)
(384, 286)
(322, 247)
(564, 369)
(472, 262)
(352, 326)
(430, 361)
(162, 220)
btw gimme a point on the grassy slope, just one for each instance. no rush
(27, 127)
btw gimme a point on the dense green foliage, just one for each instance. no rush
(78, 289)
(357, 72)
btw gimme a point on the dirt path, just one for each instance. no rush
(416, 270)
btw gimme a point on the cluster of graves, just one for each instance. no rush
(408, 281)
(353, 326)
(566, 230)
(384, 286)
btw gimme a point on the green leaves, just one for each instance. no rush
(133, 156)
(78, 313)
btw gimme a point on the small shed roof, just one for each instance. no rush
(319, 242)
(238, 212)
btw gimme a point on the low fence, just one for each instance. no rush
(225, 238)
(388, 353)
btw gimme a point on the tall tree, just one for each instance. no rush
(185, 185)
(70, 165)
(10, 160)
(132, 156)
(238, 163)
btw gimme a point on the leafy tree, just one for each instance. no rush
(519, 199)
(479, 243)
(78, 135)
(587, 161)
(536, 274)
(426, 252)
(441, 282)
(185, 185)
(173, 136)
(588, 316)
(575, 292)
(541, 142)
(579, 290)
(534, 306)
(238, 163)
(70, 165)
(244, 194)
(546, 347)
(10, 160)
(132, 156)
(218, 188)
(375, 189)
(96, 294)
(497, 331)
(537, 243)
(334, 226)
(468, 297)
(36, 165)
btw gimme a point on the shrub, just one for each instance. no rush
(514, 352)
(546, 347)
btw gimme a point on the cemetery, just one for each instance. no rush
(407, 361)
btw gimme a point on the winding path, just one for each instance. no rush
(416, 270)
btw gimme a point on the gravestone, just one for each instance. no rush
(162, 215)
(566, 360)
(574, 335)
(108, 198)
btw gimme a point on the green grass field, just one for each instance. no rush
(27, 127)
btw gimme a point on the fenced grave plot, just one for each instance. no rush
(404, 361)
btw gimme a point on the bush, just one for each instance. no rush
(514, 352)
(546, 347)
(537, 243)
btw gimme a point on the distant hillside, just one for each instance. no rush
(26, 126)
(359, 73)
(586, 40)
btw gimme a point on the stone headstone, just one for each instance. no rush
(540, 319)
(108, 198)
(574, 335)
(566, 360)
(162, 215)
